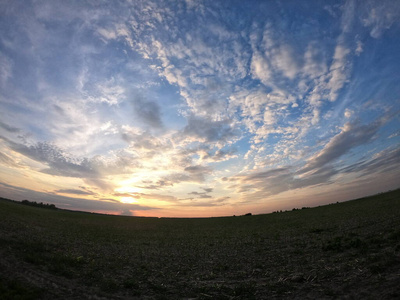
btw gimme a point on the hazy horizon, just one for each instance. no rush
(198, 108)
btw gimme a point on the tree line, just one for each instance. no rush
(41, 204)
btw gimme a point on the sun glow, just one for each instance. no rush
(126, 188)
(129, 200)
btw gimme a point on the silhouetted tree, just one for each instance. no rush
(41, 204)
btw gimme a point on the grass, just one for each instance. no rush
(344, 250)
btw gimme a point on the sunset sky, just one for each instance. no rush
(198, 108)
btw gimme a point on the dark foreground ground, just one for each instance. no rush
(348, 250)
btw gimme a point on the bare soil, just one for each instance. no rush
(348, 250)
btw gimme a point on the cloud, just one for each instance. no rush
(261, 176)
(208, 153)
(262, 113)
(74, 191)
(202, 195)
(9, 128)
(260, 68)
(207, 190)
(257, 185)
(188, 58)
(109, 92)
(19, 193)
(92, 170)
(359, 48)
(144, 140)
(198, 169)
(262, 183)
(272, 57)
(320, 169)
(379, 16)
(395, 134)
(6, 67)
(385, 161)
(339, 71)
(314, 61)
(197, 173)
(58, 162)
(8, 161)
(220, 155)
(210, 131)
(194, 173)
(284, 61)
(148, 112)
(150, 196)
(351, 136)
(348, 113)
(212, 202)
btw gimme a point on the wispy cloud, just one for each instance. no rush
(9, 128)
(319, 169)
(351, 136)
(59, 163)
(379, 17)
(74, 192)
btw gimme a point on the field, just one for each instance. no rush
(348, 250)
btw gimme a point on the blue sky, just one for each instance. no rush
(198, 108)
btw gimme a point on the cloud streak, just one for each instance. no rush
(350, 137)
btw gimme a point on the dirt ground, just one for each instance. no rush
(341, 251)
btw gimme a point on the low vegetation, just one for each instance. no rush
(345, 250)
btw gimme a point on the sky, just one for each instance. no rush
(198, 108)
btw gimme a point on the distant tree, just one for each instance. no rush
(41, 204)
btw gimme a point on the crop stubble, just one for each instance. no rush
(345, 250)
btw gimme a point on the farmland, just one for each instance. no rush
(344, 250)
